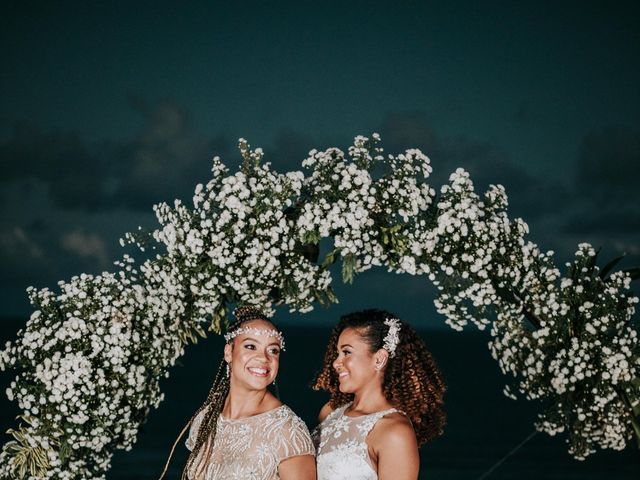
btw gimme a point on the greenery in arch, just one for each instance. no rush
(89, 359)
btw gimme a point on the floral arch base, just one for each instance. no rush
(90, 357)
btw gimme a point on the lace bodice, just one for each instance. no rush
(341, 448)
(252, 448)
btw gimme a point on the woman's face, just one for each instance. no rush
(254, 357)
(355, 363)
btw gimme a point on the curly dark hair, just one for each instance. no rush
(412, 381)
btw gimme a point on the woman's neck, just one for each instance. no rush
(369, 400)
(242, 403)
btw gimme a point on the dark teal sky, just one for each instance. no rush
(108, 109)
(258, 67)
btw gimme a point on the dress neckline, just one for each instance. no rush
(250, 417)
(386, 411)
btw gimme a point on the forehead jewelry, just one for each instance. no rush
(392, 337)
(267, 332)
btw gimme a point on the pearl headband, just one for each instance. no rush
(267, 332)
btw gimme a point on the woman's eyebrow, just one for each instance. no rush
(251, 339)
(345, 345)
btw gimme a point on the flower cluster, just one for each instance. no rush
(568, 341)
(90, 364)
(238, 242)
(368, 218)
(582, 353)
(90, 358)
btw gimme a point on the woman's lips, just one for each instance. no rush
(259, 372)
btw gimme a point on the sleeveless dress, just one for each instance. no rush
(252, 448)
(341, 448)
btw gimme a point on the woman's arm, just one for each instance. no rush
(324, 411)
(394, 445)
(301, 467)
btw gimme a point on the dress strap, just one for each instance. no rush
(338, 412)
(370, 420)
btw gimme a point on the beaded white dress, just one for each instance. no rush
(252, 448)
(341, 447)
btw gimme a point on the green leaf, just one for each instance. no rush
(348, 268)
(636, 429)
(634, 273)
(330, 258)
(609, 266)
(27, 458)
(389, 234)
(311, 237)
(64, 452)
(636, 409)
(218, 316)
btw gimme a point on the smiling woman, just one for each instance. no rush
(242, 430)
(386, 399)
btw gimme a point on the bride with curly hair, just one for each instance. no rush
(386, 399)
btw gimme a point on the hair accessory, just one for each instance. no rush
(392, 338)
(245, 313)
(268, 332)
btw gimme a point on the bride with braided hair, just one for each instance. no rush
(242, 431)
(386, 398)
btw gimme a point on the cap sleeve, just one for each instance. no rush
(294, 438)
(193, 430)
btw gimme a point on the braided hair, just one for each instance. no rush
(412, 381)
(216, 398)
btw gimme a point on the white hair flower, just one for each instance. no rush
(392, 338)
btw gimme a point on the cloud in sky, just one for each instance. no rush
(596, 201)
(530, 195)
(16, 242)
(58, 160)
(165, 158)
(89, 245)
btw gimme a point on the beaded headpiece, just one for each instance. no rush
(392, 338)
(247, 313)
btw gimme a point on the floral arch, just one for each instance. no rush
(90, 357)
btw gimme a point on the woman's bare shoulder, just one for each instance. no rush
(394, 446)
(325, 411)
(394, 430)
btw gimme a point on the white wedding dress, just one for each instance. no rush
(341, 447)
(252, 448)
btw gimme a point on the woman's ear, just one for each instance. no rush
(228, 352)
(381, 357)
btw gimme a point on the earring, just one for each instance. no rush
(274, 382)
(228, 370)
